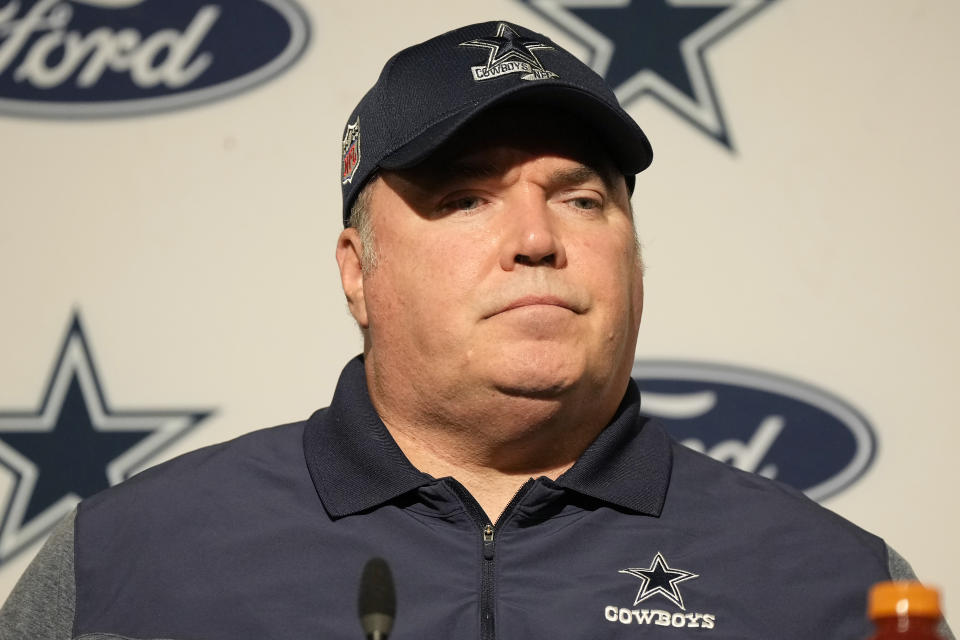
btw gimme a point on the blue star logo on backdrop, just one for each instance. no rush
(655, 48)
(660, 579)
(74, 445)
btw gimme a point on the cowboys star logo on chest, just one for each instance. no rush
(659, 599)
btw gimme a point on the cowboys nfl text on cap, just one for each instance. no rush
(426, 92)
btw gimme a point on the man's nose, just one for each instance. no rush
(531, 237)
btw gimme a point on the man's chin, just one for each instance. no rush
(534, 385)
(535, 371)
(535, 392)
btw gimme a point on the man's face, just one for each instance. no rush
(506, 266)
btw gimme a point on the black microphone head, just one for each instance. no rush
(378, 602)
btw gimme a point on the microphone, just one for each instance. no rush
(378, 602)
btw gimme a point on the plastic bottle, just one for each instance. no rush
(904, 611)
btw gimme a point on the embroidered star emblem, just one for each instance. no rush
(74, 445)
(659, 578)
(508, 45)
(656, 48)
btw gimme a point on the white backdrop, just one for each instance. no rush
(197, 244)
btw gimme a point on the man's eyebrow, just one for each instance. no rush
(465, 169)
(581, 174)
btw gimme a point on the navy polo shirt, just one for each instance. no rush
(266, 537)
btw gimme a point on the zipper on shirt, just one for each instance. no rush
(487, 603)
(488, 542)
(488, 532)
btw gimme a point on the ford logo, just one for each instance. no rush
(759, 422)
(99, 58)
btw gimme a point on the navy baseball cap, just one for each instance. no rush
(427, 92)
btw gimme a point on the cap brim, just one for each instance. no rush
(621, 136)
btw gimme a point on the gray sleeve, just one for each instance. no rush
(41, 605)
(900, 569)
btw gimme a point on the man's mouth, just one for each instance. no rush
(537, 300)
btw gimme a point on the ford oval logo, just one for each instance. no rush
(759, 422)
(98, 58)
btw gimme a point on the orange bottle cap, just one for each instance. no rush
(891, 599)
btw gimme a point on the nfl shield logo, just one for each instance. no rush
(350, 152)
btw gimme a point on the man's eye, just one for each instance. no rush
(585, 203)
(466, 203)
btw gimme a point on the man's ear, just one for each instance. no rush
(349, 251)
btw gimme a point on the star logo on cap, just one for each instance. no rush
(508, 45)
(660, 579)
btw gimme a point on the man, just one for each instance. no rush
(488, 442)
